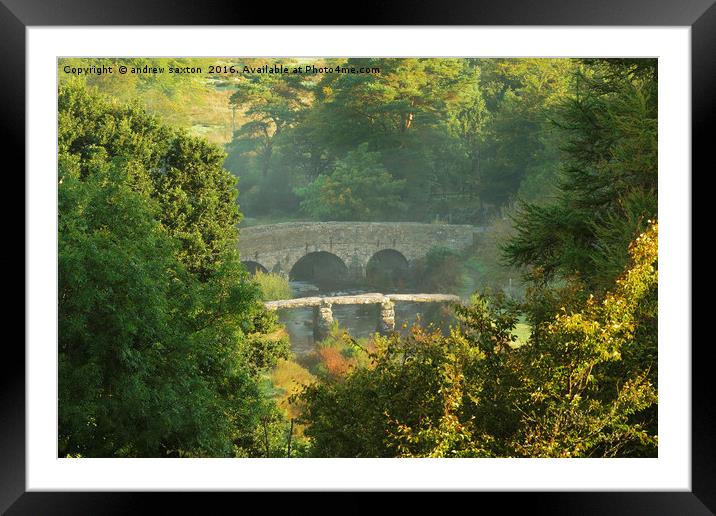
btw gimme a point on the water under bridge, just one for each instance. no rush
(346, 250)
(323, 314)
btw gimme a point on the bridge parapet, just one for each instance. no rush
(323, 315)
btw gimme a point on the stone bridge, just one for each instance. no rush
(323, 314)
(300, 249)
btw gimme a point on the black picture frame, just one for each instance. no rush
(17, 15)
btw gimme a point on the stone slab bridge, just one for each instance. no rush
(302, 250)
(323, 314)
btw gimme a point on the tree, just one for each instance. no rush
(354, 416)
(584, 385)
(359, 188)
(196, 196)
(519, 143)
(609, 184)
(273, 103)
(162, 333)
(129, 363)
(423, 117)
(197, 202)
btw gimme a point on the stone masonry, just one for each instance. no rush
(323, 313)
(277, 247)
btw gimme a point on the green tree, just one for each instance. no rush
(609, 179)
(359, 188)
(162, 333)
(423, 117)
(272, 103)
(441, 270)
(354, 416)
(196, 196)
(584, 385)
(519, 140)
(197, 202)
(130, 360)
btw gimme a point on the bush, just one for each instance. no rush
(359, 188)
(583, 385)
(273, 286)
(161, 332)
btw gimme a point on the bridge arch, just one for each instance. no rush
(387, 268)
(253, 267)
(318, 267)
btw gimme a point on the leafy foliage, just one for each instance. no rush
(273, 103)
(609, 184)
(359, 187)
(165, 347)
(162, 335)
(584, 385)
(420, 117)
(195, 195)
(520, 150)
(273, 286)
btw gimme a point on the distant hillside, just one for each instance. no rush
(196, 102)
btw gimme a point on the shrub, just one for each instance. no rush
(583, 385)
(273, 286)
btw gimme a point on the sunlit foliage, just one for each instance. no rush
(359, 187)
(584, 385)
(273, 286)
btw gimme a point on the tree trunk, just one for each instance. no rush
(290, 435)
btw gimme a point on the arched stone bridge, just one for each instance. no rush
(323, 313)
(290, 247)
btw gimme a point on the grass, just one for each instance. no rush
(523, 331)
(285, 380)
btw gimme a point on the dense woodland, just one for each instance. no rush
(165, 348)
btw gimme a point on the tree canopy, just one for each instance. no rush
(161, 331)
(608, 185)
(584, 383)
(166, 349)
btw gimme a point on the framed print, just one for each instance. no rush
(359, 258)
